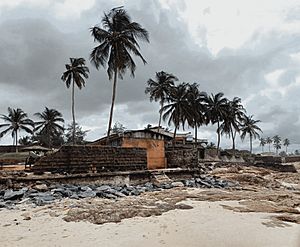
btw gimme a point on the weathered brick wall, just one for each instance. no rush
(290, 159)
(9, 148)
(268, 159)
(184, 158)
(82, 159)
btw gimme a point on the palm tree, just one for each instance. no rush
(262, 143)
(277, 143)
(231, 125)
(286, 143)
(160, 88)
(49, 124)
(269, 141)
(178, 110)
(17, 120)
(197, 101)
(250, 128)
(75, 73)
(216, 112)
(118, 40)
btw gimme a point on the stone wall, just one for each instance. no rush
(183, 158)
(83, 159)
(9, 148)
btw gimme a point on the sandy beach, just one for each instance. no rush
(206, 224)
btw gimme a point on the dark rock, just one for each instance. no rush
(85, 188)
(87, 193)
(14, 195)
(109, 196)
(125, 192)
(103, 188)
(74, 196)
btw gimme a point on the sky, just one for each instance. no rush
(249, 49)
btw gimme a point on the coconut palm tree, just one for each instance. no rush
(197, 101)
(277, 143)
(216, 112)
(178, 110)
(269, 141)
(15, 121)
(231, 125)
(262, 143)
(49, 123)
(249, 127)
(118, 41)
(75, 73)
(286, 143)
(160, 88)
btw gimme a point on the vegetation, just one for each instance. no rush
(117, 40)
(286, 143)
(262, 143)
(16, 121)
(49, 125)
(277, 143)
(269, 140)
(76, 136)
(118, 128)
(75, 73)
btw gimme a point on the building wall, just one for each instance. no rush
(82, 159)
(155, 150)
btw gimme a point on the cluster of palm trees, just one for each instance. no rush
(276, 141)
(47, 130)
(185, 105)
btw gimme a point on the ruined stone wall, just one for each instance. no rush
(82, 159)
(290, 159)
(184, 158)
(9, 148)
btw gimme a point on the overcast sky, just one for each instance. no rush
(249, 49)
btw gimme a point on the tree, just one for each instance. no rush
(250, 128)
(25, 140)
(75, 73)
(197, 102)
(216, 112)
(160, 88)
(277, 143)
(118, 41)
(262, 143)
(79, 135)
(286, 143)
(16, 121)
(234, 116)
(178, 110)
(118, 128)
(297, 152)
(49, 124)
(269, 141)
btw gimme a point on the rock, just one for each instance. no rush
(74, 196)
(41, 187)
(14, 195)
(43, 200)
(26, 216)
(109, 196)
(87, 193)
(177, 184)
(103, 188)
(125, 192)
(85, 188)
(119, 194)
(2, 205)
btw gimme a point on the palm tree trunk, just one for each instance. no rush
(233, 135)
(112, 105)
(17, 141)
(218, 132)
(269, 148)
(251, 144)
(73, 113)
(196, 134)
(160, 115)
(174, 136)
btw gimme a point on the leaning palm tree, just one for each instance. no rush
(16, 120)
(269, 141)
(178, 110)
(118, 41)
(286, 143)
(216, 112)
(262, 143)
(249, 127)
(277, 143)
(160, 88)
(75, 73)
(49, 123)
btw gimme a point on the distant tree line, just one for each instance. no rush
(276, 141)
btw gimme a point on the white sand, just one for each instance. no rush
(208, 224)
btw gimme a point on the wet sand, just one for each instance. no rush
(207, 224)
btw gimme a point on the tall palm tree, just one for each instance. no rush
(178, 110)
(197, 101)
(249, 127)
(49, 123)
(286, 143)
(277, 143)
(269, 140)
(75, 73)
(160, 88)
(262, 143)
(216, 112)
(118, 40)
(16, 120)
(235, 113)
